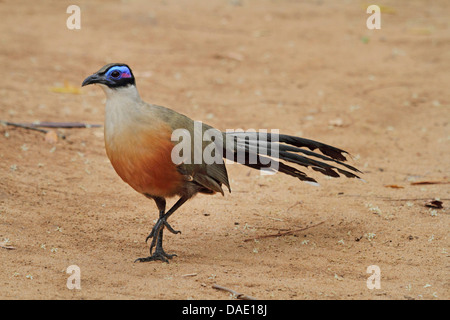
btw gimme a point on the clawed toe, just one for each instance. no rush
(169, 227)
(158, 227)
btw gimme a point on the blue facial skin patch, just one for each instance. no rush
(124, 72)
(118, 76)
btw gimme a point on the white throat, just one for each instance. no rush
(122, 93)
(123, 106)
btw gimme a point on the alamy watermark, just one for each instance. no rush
(73, 22)
(74, 281)
(374, 20)
(374, 281)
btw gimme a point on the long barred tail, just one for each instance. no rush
(260, 151)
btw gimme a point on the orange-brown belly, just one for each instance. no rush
(143, 160)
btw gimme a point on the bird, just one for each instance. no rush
(140, 144)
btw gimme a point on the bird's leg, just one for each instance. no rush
(159, 253)
(159, 226)
(157, 231)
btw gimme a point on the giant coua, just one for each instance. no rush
(139, 143)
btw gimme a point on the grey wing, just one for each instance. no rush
(204, 163)
(211, 173)
(209, 177)
(215, 176)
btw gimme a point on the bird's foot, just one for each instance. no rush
(159, 254)
(156, 234)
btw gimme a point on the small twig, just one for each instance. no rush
(279, 234)
(235, 294)
(189, 275)
(413, 199)
(295, 204)
(19, 125)
(66, 125)
(386, 198)
(36, 126)
(388, 86)
(24, 126)
(420, 183)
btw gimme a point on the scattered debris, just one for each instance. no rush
(27, 127)
(295, 204)
(51, 136)
(189, 275)
(393, 186)
(370, 236)
(434, 203)
(5, 245)
(235, 294)
(339, 278)
(66, 125)
(279, 234)
(419, 183)
(374, 209)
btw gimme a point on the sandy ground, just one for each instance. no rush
(308, 68)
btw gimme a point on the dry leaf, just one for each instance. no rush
(51, 137)
(436, 204)
(418, 183)
(394, 186)
(66, 89)
(6, 246)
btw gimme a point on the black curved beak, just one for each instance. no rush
(95, 78)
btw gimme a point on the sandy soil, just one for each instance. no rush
(307, 68)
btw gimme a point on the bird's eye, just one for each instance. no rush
(115, 74)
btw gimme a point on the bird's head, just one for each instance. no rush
(113, 76)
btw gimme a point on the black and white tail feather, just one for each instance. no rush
(261, 151)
